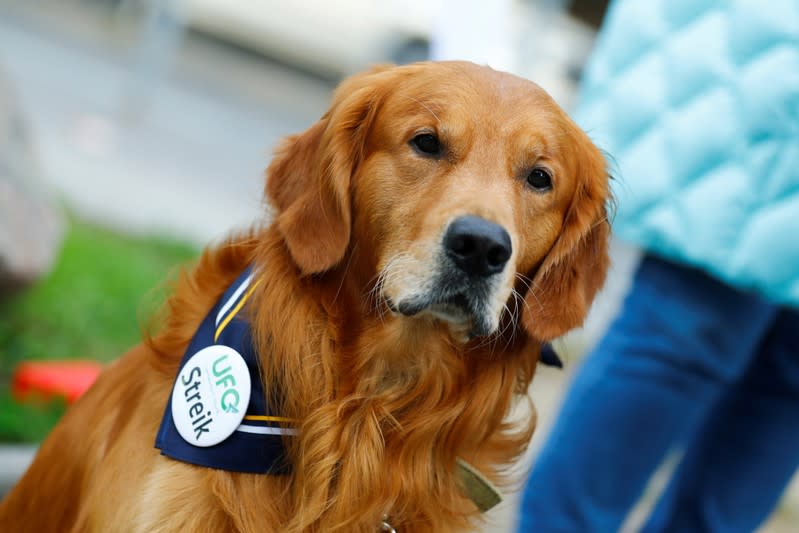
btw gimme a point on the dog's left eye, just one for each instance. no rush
(540, 179)
(427, 144)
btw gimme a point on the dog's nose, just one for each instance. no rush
(477, 246)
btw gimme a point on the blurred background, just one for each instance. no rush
(134, 132)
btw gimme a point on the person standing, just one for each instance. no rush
(698, 103)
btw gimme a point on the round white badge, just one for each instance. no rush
(211, 395)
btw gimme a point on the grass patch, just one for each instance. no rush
(93, 305)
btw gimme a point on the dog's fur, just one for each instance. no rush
(386, 402)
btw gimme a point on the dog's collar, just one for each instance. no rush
(256, 444)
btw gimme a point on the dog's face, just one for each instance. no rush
(471, 192)
(467, 182)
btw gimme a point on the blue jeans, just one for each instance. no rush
(689, 364)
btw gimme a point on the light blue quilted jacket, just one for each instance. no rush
(697, 103)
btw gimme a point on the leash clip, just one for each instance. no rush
(385, 526)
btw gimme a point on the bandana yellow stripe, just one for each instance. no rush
(235, 310)
(264, 418)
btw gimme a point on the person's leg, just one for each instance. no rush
(680, 339)
(733, 473)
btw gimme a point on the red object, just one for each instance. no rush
(50, 379)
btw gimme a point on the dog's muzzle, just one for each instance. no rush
(474, 251)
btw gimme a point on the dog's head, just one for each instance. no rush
(469, 192)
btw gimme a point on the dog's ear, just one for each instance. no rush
(565, 283)
(309, 179)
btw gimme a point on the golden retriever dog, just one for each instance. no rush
(435, 227)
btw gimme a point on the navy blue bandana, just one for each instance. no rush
(256, 446)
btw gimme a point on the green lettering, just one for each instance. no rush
(217, 373)
(230, 406)
(228, 381)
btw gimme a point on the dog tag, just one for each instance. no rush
(211, 395)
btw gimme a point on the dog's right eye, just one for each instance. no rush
(427, 144)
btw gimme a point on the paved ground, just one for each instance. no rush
(181, 155)
(14, 459)
(185, 157)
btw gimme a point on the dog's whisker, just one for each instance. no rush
(515, 316)
(526, 303)
(346, 270)
(531, 289)
(391, 273)
(510, 324)
(526, 281)
(438, 120)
